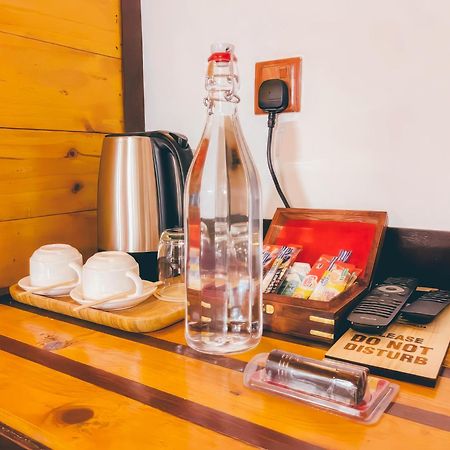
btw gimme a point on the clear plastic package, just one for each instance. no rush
(338, 387)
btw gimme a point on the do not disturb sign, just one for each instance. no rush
(395, 347)
(405, 351)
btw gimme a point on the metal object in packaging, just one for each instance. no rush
(334, 386)
(343, 383)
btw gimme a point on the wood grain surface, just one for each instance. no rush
(44, 173)
(67, 413)
(155, 370)
(11, 439)
(150, 315)
(68, 23)
(19, 238)
(58, 88)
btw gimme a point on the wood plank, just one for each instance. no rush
(214, 420)
(428, 397)
(214, 387)
(19, 238)
(11, 439)
(67, 413)
(43, 172)
(73, 23)
(432, 399)
(268, 342)
(45, 86)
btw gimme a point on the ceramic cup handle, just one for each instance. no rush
(78, 270)
(137, 282)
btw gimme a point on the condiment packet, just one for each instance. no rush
(295, 275)
(319, 292)
(336, 282)
(278, 271)
(353, 277)
(312, 278)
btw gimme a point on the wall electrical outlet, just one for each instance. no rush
(289, 70)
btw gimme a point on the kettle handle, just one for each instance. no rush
(177, 146)
(183, 158)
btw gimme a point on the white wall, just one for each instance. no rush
(374, 131)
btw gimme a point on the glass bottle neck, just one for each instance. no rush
(217, 104)
(221, 86)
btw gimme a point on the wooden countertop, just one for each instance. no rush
(67, 384)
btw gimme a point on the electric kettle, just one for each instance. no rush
(140, 192)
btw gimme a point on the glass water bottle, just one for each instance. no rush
(223, 225)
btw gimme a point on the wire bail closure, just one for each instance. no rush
(218, 83)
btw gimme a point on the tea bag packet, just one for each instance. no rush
(353, 277)
(270, 252)
(275, 276)
(309, 283)
(336, 282)
(295, 275)
(321, 291)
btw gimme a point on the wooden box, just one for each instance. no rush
(322, 231)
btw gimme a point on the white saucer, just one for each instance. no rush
(175, 293)
(24, 283)
(119, 303)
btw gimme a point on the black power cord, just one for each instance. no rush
(273, 98)
(271, 120)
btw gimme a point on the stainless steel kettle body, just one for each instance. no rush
(140, 189)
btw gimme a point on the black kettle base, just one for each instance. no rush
(148, 265)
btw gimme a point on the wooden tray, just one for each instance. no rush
(150, 315)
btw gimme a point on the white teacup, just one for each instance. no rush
(110, 273)
(53, 264)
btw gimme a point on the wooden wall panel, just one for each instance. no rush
(19, 238)
(84, 24)
(43, 173)
(46, 86)
(60, 90)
